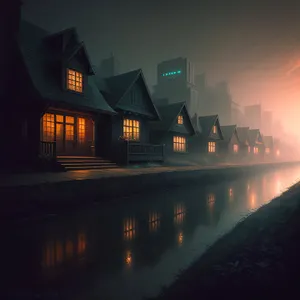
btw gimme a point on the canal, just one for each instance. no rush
(131, 247)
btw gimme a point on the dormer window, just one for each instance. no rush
(214, 129)
(74, 80)
(180, 120)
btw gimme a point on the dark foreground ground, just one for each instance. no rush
(258, 259)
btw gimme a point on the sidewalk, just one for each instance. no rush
(41, 178)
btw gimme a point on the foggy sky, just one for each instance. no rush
(255, 45)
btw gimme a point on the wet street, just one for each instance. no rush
(130, 248)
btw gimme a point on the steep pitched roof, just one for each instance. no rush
(268, 141)
(116, 87)
(206, 124)
(243, 134)
(254, 134)
(228, 131)
(40, 58)
(169, 114)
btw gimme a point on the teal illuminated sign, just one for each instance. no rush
(171, 73)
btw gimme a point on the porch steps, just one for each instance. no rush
(72, 163)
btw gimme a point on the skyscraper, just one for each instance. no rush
(176, 81)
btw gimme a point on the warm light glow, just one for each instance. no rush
(129, 229)
(69, 249)
(267, 150)
(180, 238)
(252, 200)
(81, 243)
(211, 199)
(81, 130)
(128, 258)
(180, 120)
(211, 147)
(235, 148)
(131, 129)
(278, 152)
(179, 144)
(154, 221)
(179, 213)
(230, 192)
(255, 150)
(214, 129)
(74, 80)
(48, 128)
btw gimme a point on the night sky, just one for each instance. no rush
(254, 45)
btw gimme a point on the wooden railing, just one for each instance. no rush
(145, 152)
(48, 149)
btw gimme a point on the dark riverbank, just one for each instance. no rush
(261, 254)
(27, 201)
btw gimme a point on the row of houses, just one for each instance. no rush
(56, 111)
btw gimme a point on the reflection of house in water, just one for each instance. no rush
(154, 221)
(129, 229)
(58, 251)
(180, 238)
(179, 213)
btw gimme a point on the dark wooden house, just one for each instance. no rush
(230, 145)
(127, 139)
(256, 144)
(208, 133)
(174, 130)
(243, 135)
(269, 147)
(55, 105)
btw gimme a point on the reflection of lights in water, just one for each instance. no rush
(154, 221)
(278, 187)
(81, 243)
(180, 238)
(128, 258)
(179, 212)
(57, 252)
(252, 200)
(248, 186)
(211, 199)
(230, 192)
(129, 228)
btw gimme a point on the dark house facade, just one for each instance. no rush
(244, 149)
(208, 135)
(269, 147)
(174, 130)
(127, 139)
(230, 145)
(58, 103)
(257, 148)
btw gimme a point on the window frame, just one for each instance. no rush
(211, 147)
(179, 144)
(130, 135)
(180, 120)
(67, 84)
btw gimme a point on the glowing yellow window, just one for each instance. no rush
(81, 130)
(131, 129)
(48, 127)
(74, 80)
(180, 120)
(235, 148)
(255, 150)
(214, 129)
(211, 147)
(179, 144)
(267, 150)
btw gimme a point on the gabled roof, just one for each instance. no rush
(206, 125)
(243, 134)
(228, 131)
(117, 87)
(66, 44)
(254, 134)
(169, 114)
(268, 141)
(42, 64)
